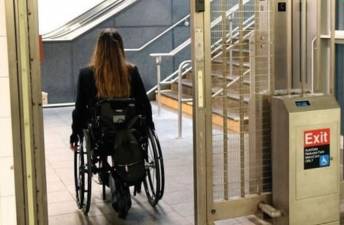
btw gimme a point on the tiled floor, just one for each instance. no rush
(176, 207)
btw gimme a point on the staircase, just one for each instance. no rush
(230, 81)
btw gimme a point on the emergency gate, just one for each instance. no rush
(253, 50)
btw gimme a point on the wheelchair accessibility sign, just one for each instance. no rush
(324, 160)
(316, 148)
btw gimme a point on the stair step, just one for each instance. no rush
(235, 63)
(243, 50)
(230, 77)
(233, 91)
(174, 95)
(186, 86)
(235, 54)
(220, 76)
(169, 98)
(231, 115)
(187, 82)
(236, 96)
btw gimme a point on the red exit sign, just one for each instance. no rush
(317, 137)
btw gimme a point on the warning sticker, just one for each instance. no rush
(316, 148)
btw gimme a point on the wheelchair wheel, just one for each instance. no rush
(83, 174)
(154, 182)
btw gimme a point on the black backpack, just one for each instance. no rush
(128, 157)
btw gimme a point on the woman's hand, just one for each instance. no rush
(74, 142)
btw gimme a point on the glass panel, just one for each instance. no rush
(340, 15)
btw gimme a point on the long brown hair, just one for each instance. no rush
(110, 65)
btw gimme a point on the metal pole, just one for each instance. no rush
(303, 46)
(241, 100)
(158, 78)
(225, 30)
(180, 97)
(312, 75)
(202, 138)
(180, 110)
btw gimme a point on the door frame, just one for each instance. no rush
(26, 111)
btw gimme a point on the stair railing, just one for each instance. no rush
(247, 72)
(215, 47)
(173, 77)
(181, 100)
(187, 64)
(249, 22)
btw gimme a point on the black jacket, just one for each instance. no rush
(87, 91)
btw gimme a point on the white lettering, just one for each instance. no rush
(316, 139)
(326, 137)
(309, 138)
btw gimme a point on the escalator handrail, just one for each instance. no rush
(84, 19)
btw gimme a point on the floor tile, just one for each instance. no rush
(176, 207)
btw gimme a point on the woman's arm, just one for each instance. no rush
(80, 112)
(140, 95)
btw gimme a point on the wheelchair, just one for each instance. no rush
(92, 158)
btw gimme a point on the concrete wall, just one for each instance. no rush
(138, 24)
(7, 189)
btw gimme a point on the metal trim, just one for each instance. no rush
(37, 114)
(240, 207)
(202, 146)
(11, 23)
(27, 122)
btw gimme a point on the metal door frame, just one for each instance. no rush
(26, 111)
(206, 210)
(202, 137)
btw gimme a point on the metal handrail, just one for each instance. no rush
(158, 56)
(234, 36)
(230, 84)
(180, 97)
(158, 36)
(213, 24)
(237, 28)
(174, 51)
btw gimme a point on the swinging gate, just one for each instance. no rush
(235, 55)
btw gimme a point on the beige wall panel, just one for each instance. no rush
(2, 19)
(7, 212)
(7, 177)
(5, 109)
(3, 56)
(6, 149)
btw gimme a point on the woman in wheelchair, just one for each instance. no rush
(113, 119)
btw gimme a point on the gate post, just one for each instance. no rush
(26, 112)
(200, 11)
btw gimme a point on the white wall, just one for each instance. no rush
(7, 193)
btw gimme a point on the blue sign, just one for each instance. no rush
(324, 160)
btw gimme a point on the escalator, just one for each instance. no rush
(88, 20)
(68, 48)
